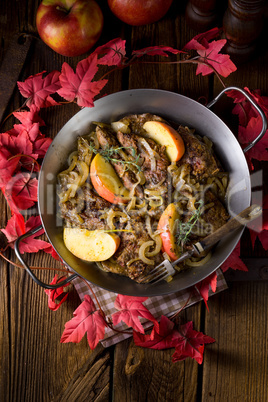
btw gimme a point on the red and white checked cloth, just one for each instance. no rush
(158, 305)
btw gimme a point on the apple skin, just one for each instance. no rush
(166, 226)
(166, 135)
(106, 182)
(139, 12)
(69, 27)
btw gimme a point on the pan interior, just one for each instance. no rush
(173, 107)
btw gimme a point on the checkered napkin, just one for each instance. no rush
(158, 305)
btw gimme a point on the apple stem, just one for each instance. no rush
(63, 9)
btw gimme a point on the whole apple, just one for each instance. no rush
(69, 27)
(139, 12)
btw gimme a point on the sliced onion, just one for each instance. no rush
(158, 246)
(150, 152)
(142, 250)
(120, 126)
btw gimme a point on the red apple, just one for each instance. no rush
(69, 27)
(139, 12)
(166, 226)
(106, 182)
(166, 135)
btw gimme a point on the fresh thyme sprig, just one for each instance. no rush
(185, 228)
(108, 152)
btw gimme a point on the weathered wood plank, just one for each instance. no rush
(236, 369)
(149, 375)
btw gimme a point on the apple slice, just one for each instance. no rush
(166, 226)
(91, 245)
(106, 182)
(164, 134)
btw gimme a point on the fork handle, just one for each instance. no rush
(242, 219)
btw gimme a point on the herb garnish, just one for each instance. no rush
(108, 152)
(185, 228)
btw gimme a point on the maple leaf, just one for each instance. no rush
(191, 344)
(41, 145)
(7, 166)
(79, 85)
(86, 319)
(16, 226)
(57, 296)
(244, 108)
(113, 52)
(205, 284)
(187, 342)
(234, 261)
(201, 41)
(37, 89)
(249, 133)
(156, 51)
(130, 308)
(23, 190)
(163, 336)
(211, 57)
(27, 118)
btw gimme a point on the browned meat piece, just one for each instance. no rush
(107, 139)
(197, 155)
(135, 122)
(84, 210)
(129, 249)
(152, 177)
(216, 216)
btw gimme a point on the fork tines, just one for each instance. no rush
(159, 273)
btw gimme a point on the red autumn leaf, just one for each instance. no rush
(16, 227)
(86, 319)
(32, 131)
(27, 118)
(162, 337)
(187, 342)
(191, 344)
(37, 89)
(130, 309)
(23, 143)
(23, 190)
(205, 284)
(156, 51)
(243, 107)
(113, 52)
(7, 166)
(79, 85)
(41, 145)
(201, 41)
(57, 296)
(247, 134)
(211, 57)
(234, 261)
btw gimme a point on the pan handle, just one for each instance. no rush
(254, 104)
(28, 269)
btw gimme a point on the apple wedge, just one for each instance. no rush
(166, 135)
(95, 245)
(106, 182)
(166, 226)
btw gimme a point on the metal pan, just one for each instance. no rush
(173, 107)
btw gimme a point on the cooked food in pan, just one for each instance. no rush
(140, 190)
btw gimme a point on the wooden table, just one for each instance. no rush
(34, 365)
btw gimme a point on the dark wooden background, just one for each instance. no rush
(34, 366)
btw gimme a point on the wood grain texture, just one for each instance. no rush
(34, 365)
(240, 353)
(148, 375)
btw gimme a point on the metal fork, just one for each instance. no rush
(166, 268)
